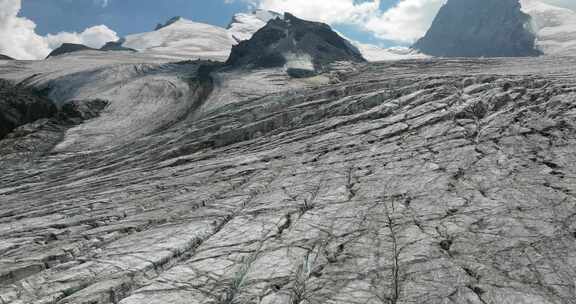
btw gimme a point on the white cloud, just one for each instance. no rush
(406, 22)
(94, 37)
(329, 11)
(20, 40)
(102, 3)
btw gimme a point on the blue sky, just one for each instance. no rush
(135, 16)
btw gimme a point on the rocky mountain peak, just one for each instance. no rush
(295, 44)
(479, 28)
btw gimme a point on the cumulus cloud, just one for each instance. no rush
(405, 22)
(20, 40)
(94, 37)
(329, 11)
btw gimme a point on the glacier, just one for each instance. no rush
(422, 180)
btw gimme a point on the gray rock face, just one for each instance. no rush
(289, 40)
(479, 28)
(20, 105)
(434, 181)
(4, 57)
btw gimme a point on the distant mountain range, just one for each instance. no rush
(462, 28)
(479, 28)
(182, 39)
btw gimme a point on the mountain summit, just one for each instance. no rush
(183, 39)
(294, 43)
(554, 27)
(480, 28)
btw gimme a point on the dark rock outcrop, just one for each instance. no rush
(479, 28)
(41, 136)
(116, 46)
(4, 57)
(66, 48)
(289, 39)
(80, 110)
(20, 105)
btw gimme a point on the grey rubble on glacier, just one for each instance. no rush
(416, 181)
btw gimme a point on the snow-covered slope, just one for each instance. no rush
(555, 27)
(184, 39)
(244, 25)
(376, 53)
